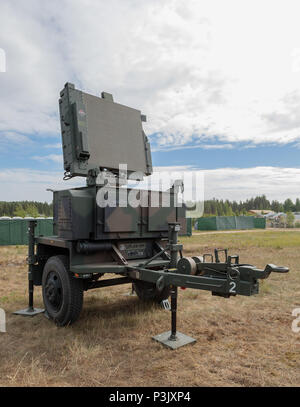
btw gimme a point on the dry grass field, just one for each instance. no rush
(241, 341)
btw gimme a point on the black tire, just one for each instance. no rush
(148, 292)
(62, 293)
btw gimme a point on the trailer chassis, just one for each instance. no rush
(225, 279)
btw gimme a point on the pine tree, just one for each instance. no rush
(288, 205)
(19, 211)
(290, 219)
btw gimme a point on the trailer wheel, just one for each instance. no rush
(62, 293)
(148, 292)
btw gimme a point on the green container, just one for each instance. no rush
(16, 235)
(44, 227)
(4, 232)
(226, 223)
(15, 231)
(244, 222)
(209, 223)
(260, 223)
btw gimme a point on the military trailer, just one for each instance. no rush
(95, 236)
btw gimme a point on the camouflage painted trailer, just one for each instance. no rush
(137, 244)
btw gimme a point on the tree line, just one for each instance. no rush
(221, 207)
(212, 207)
(26, 208)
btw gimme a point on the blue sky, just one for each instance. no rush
(14, 155)
(218, 95)
(238, 156)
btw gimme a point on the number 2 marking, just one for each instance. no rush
(232, 287)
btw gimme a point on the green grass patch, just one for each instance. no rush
(274, 239)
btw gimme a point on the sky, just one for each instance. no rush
(219, 82)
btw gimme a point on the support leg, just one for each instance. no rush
(130, 293)
(174, 294)
(30, 311)
(173, 339)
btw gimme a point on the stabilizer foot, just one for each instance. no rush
(29, 312)
(181, 340)
(129, 294)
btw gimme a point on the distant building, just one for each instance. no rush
(297, 217)
(279, 219)
(261, 213)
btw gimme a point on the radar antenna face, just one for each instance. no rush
(98, 133)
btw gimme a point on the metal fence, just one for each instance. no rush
(230, 223)
(13, 231)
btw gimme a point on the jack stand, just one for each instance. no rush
(131, 293)
(173, 339)
(30, 311)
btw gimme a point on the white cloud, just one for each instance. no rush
(242, 183)
(223, 183)
(15, 138)
(201, 146)
(24, 184)
(217, 146)
(55, 146)
(202, 70)
(57, 158)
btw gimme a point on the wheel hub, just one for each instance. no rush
(53, 290)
